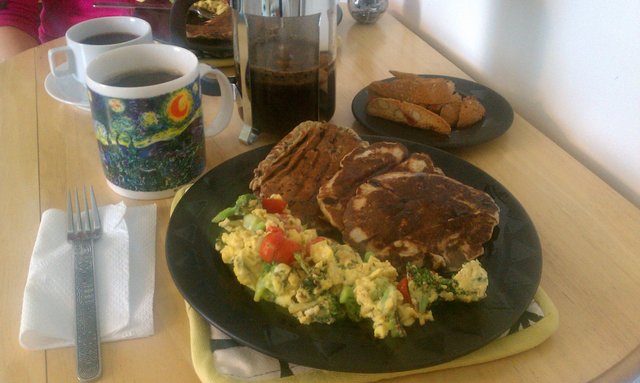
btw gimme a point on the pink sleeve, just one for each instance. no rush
(22, 14)
(58, 15)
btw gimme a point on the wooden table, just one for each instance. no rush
(590, 234)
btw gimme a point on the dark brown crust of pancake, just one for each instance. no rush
(355, 168)
(302, 161)
(405, 216)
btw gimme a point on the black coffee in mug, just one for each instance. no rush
(108, 38)
(142, 77)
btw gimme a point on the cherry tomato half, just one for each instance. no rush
(276, 247)
(274, 205)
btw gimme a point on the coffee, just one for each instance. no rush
(282, 100)
(142, 77)
(108, 38)
(327, 84)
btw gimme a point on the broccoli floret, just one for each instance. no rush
(310, 284)
(265, 284)
(336, 310)
(429, 286)
(422, 276)
(324, 309)
(395, 327)
(303, 264)
(351, 306)
(240, 208)
(314, 275)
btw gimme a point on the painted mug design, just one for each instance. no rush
(151, 144)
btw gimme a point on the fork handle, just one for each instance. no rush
(87, 336)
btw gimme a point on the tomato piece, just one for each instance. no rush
(273, 229)
(269, 245)
(286, 251)
(276, 247)
(274, 205)
(403, 287)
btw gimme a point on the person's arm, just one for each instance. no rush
(14, 41)
(18, 26)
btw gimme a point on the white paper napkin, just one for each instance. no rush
(124, 277)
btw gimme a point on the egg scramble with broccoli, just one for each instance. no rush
(317, 279)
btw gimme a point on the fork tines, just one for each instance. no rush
(76, 226)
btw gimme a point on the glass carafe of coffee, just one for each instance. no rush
(284, 53)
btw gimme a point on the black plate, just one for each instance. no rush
(513, 262)
(498, 119)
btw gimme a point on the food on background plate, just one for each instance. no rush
(319, 280)
(216, 7)
(218, 27)
(471, 111)
(408, 114)
(426, 103)
(415, 89)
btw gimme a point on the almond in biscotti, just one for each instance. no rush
(407, 113)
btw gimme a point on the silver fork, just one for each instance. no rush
(82, 233)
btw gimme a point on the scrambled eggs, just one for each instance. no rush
(216, 7)
(320, 280)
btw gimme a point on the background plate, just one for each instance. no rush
(513, 262)
(498, 118)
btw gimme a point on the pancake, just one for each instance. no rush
(355, 168)
(424, 218)
(296, 167)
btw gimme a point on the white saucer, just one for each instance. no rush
(67, 90)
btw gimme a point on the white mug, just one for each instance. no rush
(146, 103)
(88, 39)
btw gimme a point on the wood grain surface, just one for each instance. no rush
(590, 235)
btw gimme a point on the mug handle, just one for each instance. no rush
(65, 70)
(226, 108)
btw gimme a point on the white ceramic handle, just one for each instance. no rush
(226, 106)
(65, 70)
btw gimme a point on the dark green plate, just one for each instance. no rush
(498, 119)
(512, 259)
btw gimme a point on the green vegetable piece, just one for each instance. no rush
(239, 208)
(303, 264)
(368, 254)
(351, 306)
(253, 223)
(264, 283)
(224, 214)
(395, 328)
(336, 311)
(244, 200)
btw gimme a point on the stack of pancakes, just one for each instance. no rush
(381, 198)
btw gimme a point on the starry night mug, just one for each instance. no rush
(146, 105)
